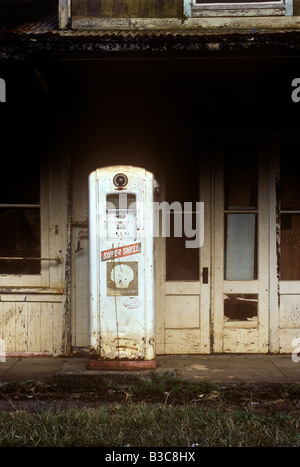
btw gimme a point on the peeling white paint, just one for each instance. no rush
(122, 279)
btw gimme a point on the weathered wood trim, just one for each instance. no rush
(31, 298)
(241, 23)
(274, 279)
(205, 176)
(160, 260)
(67, 326)
(30, 291)
(218, 254)
(64, 14)
(264, 11)
(250, 9)
(160, 278)
(289, 8)
(240, 6)
(187, 8)
(240, 324)
(182, 288)
(263, 251)
(240, 287)
(289, 287)
(82, 22)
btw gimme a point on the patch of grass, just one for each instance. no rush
(293, 389)
(160, 386)
(152, 425)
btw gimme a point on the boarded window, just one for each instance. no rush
(289, 214)
(20, 215)
(240, 236)
(242, 307)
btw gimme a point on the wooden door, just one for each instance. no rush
(284, 246)
(240, 292)
(183, 274)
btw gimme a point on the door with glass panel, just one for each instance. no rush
(285, 247)
(240, 253)
(183, 273)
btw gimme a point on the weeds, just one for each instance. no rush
(153, 410)
(293, 389)
(167, 387)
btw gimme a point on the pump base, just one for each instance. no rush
(121, 365)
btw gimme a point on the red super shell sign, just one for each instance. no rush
(121, 252)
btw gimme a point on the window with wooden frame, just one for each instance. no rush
(200, 8)
(20, 216)
(23, 218)
(289, 210)
(241, 211)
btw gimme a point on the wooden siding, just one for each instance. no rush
(32, 327)
(127, 8)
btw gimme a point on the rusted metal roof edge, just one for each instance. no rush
(147, 43)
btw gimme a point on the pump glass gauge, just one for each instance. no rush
(120, 180)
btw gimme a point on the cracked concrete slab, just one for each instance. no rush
(214, 368)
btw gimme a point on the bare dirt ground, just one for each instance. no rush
(264, 398)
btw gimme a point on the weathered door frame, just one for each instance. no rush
(185, 340)
(284, 294)
(240, 336)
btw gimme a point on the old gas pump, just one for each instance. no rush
(122, 313)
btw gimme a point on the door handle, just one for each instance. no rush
(204, 275)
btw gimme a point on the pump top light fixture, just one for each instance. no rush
(120, 180)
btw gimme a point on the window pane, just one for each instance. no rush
(240, 172)
(182, 185)
(182, 262)
(240, 247)
(242, 307)
(20, 238)
(290, 247)
(289, 174)
(19, 179)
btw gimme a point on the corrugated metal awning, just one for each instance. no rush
(30, 27)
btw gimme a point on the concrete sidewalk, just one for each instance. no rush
(73, 372)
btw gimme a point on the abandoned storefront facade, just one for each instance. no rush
(201, 95)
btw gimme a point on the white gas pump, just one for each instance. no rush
(122, 313)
